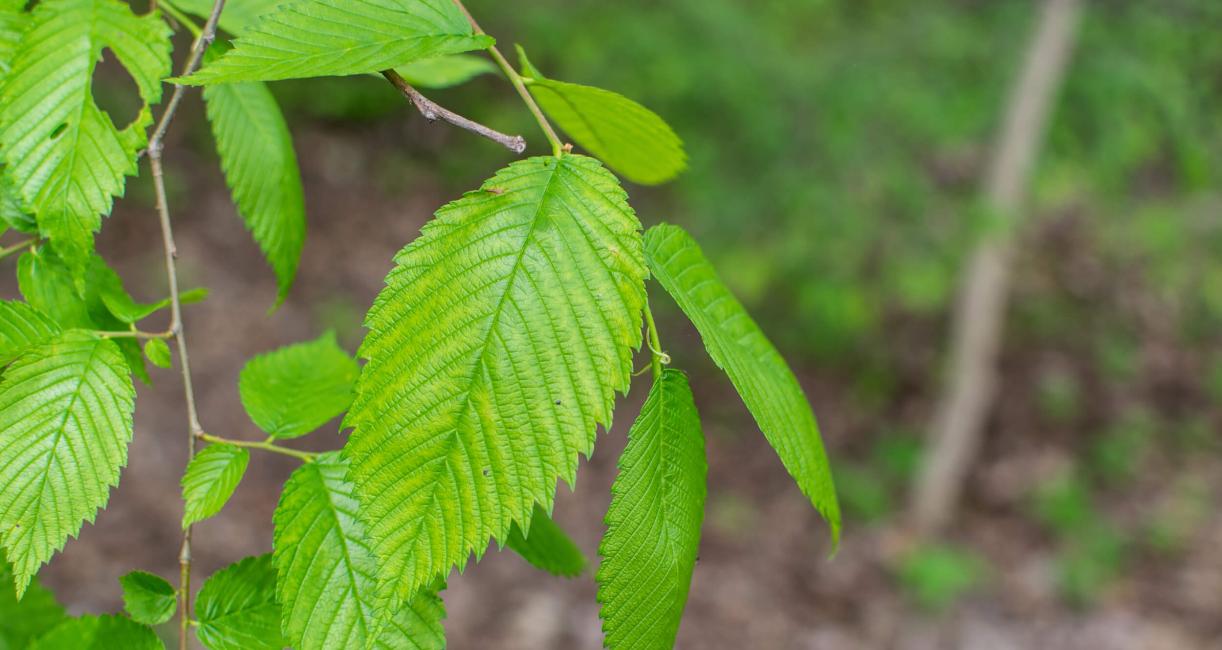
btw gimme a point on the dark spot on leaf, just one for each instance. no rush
(59, 130)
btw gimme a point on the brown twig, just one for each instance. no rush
(176, 327)
(516, 79)
(433, 112)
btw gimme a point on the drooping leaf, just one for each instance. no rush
(211, 477)
(22, 621)
(237, 609)
(738, 346)
(319, 38)
(256, 152)
(148, 598)
(65, 422)
(99, 633)
(445, 71)
(294, 390)
(547, 546)
(494, 351)
(327, 572)
(21, 328)
(628, 137)
(653, 522)
(66, 158)
(158, 352)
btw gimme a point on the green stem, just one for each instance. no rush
(266, 445)
(16, 248)
(134, 334)
(519, 85)
(183, 19)
(659, 358)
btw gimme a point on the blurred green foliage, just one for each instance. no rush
(935, 576)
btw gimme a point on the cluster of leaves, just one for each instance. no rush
(494, 353)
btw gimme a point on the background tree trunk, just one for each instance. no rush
(979, 315)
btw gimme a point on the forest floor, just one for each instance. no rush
(764, 578)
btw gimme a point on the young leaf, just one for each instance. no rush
(65, 422)
(22, 621)
(320, 38)
(158, 352)
(327, 572)
(99, 633)
(211, 477)
(22, 327)
(48, 285)
(148, 599)
(294, 390)
(494, 351)
(64, 155)
(547, 546)
(736, 344)
(653, 523)
(256, 151)
(628, 137)
(445, 71)
(237, 609)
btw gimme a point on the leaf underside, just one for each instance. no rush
(653, 522)
(494, 351)
(65, 157)
(260, 165)
(547, 546)
(738, 346)
(327, 571)
(65, 423)
(319, 38)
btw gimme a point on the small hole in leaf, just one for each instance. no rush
(59, 130)
(115, 92)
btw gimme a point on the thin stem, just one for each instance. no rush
(658, 357)
(182, 18)
(135, 334)
(518, 84)
(265, 445)
(16, 248)
(176, 327)
(433, 112)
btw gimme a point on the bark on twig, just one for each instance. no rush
(979, 315)
(433, 112)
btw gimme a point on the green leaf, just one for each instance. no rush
(99, 633)
(64, 155)
(445, 71)
(13, 21)
(319, 38)
(148, 599)
(547, 546)
(12, 214)
(65, 422)
(158, 352)
(22, 621)
(211, 477)
(22, 327)
(237, 609)
(736, 344)
(327, 572)
(256, 151)
(628, 137)
(653, 522)
(294, 390)
(47, 284)
(494, 351)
